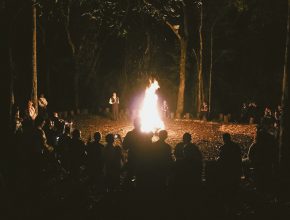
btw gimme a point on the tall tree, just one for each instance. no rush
(284, 149)
(34, 58)
(88, 24)
(173, 14)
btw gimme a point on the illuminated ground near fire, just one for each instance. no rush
(207, 135)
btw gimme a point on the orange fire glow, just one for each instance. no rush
(149, 112)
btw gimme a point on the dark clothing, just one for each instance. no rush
(139, 146)
(230, 161)
(263, 156)
(112, 163)
(188, 167)
(230, 171)
(76, 156)
(162, 161)
(95, 159)
(133, 142)
(63, 150)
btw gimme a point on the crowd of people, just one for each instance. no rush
(45, 146)
(48, 147)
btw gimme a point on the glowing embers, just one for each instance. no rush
(149, 111)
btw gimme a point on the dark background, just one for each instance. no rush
(249, 47)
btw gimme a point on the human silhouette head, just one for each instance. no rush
(76, 134)
(162, 135)
(137, 124)
(39, 122)
(114, 94)
(97, 136)
(110, 138)
(227, 138)
(186, 138)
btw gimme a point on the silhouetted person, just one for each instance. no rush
(112, 162)
(50, 132)
(76, 153)
(63, 145)
(95, 158)
(162, 161)
(38, 153)
(230, 165)
(187, 178)
(244, 113)
(268, 119)
(252, 112)
(188, 163)
(262, 155)
(59, 124)
(130, 143)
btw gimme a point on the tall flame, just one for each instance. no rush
(149, 112)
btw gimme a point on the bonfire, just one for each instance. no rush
(149, 111)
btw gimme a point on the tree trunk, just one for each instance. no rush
(34, 59)
(182, 70)
(11, 98)
(284, 149)
(200, 93)
(210, 72)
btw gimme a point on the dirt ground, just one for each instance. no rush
(207, 135)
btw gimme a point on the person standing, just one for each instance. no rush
(165, 109)
(230, 165)
(204, 111)
(114, 101)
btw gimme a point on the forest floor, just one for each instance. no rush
(207, 135)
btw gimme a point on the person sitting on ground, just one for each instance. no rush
(95, 158)
(112, 163)
(76, 153)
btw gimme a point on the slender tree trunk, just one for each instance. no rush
(182, 71)
(284, 149)
(12, 100)
(210, 72)
(200, 95)
(34, 59)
